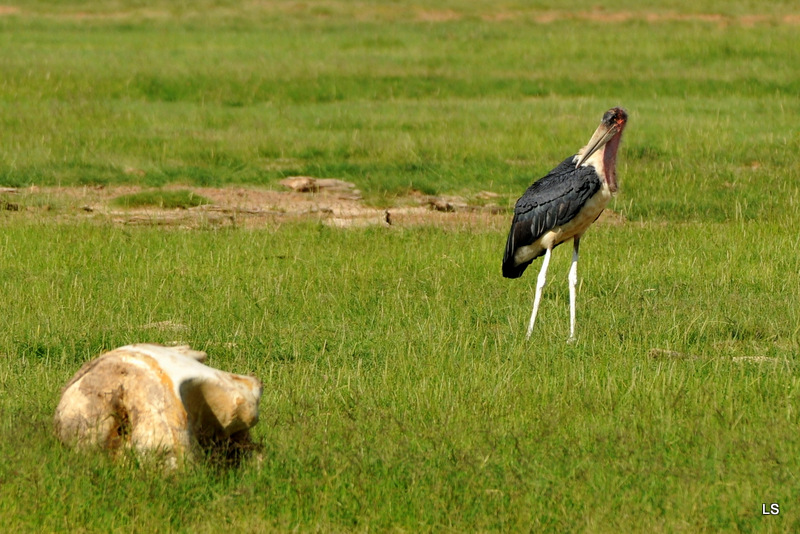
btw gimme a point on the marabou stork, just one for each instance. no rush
(562, 205)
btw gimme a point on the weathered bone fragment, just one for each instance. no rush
(159, 399)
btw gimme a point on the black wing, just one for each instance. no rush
(550, 202)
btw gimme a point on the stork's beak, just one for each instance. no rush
(612, 124)
(601, 136)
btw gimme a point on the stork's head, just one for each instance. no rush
(601, 151)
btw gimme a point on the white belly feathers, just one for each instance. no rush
(575, 227)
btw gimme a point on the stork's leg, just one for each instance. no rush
(573, 281)
(540, 281)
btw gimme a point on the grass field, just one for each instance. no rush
(400, 393)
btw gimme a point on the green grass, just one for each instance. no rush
(400, 393)
(174, 198)
(377, 94)
(399, 389)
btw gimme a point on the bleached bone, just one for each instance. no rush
(155, 398)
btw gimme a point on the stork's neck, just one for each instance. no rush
(610, 162)
(604, 161)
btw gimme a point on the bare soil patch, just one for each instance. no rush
(443, 15)
(253, 207)
(651, 17)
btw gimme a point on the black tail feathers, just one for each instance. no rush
(510, 267)
(513, 271)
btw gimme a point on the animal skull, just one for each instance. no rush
(159, 399)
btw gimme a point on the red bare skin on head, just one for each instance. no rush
(622, 118)
(618, 117)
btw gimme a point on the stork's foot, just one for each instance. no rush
(528, 333)
(572, 340)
